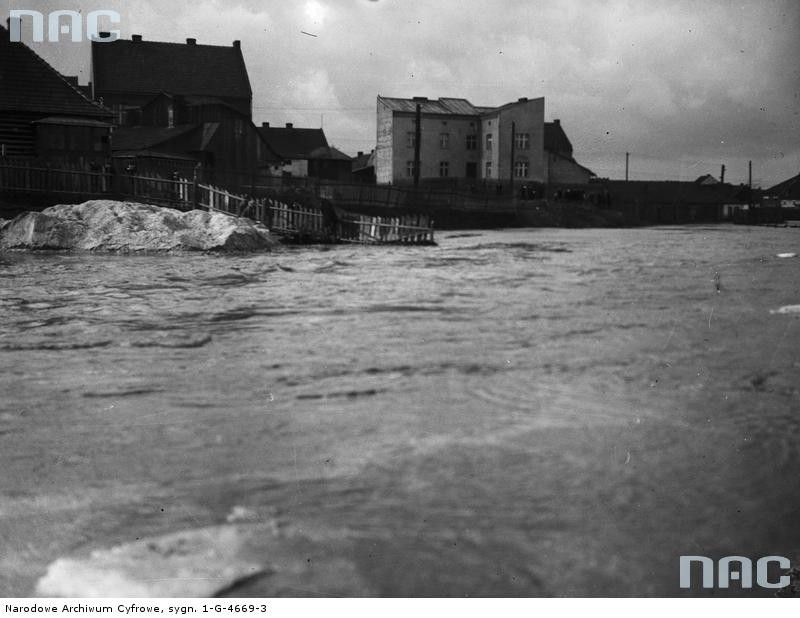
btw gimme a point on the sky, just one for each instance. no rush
(683, 86)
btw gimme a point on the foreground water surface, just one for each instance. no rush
(526, 412)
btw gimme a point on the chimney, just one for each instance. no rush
(557, 122)
(136, 38)
(289, 125)
(265, 125)
(360, 153)
(191, 41)
(522, 100)
(420, 99)
(237, 44)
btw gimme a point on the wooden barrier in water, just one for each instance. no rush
(298, 222)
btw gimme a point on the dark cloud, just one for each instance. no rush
(683, 86)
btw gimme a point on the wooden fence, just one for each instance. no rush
(303, 223)
(288, 218)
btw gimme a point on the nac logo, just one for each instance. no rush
(63, 22)
(735, 568)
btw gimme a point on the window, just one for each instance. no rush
(411, 139)
(472, 142)
(444, 140)
(521, 141)
(410, 169)
(521, 169)
(488, 169)
(489, 142)
(444, 169)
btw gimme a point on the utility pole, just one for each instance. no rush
(627, 160)
(722, 174)
(750, 183)
(513, 146)
(417, 140)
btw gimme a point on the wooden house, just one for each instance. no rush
(45, 116)
(179, 105)
(785, 194)
(305, 153)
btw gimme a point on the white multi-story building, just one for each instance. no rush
(460, 140)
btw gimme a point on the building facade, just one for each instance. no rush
(460, 141)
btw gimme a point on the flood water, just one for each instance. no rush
(521, 412)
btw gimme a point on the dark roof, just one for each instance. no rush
(788, 189)
(29, 84)
(555, 139)
(364, 161)
(72, 121)
(145, 138)
(573, 161)
(706, 179)
(448, 106)
(292, 143)
(443, 106)
(150, 67)
(329, 153)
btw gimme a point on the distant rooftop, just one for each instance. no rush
(293, 143)
(444, 106)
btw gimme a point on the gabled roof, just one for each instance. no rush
(574, 162)
(292, 143)
(150, 67)
(706, 179)
(329, 153)
(788, 189)
(364, 161)
(29, 84)
(555, 139)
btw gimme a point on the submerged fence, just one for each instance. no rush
(290, 218)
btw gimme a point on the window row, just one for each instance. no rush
(521, 141)
(521, 169)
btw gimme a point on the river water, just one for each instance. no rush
(521, 412)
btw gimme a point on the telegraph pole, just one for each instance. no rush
(627, 160)
(750, 183)
(722, 174)
(417, 140)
